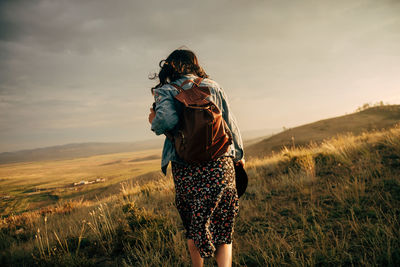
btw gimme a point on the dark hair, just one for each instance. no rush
(178, 63)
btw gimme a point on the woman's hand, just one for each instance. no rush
(152, 115)
(241, 162)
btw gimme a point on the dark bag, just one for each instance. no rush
(202, 134)
(241, 179)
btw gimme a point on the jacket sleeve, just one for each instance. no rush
(166, 116)
(232, 124)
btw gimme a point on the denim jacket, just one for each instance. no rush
(166, 119)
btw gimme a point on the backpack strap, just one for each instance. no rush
(197, 82)
(177, 87)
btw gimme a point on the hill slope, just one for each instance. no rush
(374, 118)
(336, 204)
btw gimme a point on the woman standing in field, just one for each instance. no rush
(206, 196)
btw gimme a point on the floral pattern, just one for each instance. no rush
(207, 201)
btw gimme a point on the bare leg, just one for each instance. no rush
(224, 255)
(197, 261)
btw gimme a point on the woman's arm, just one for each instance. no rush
(166, 117)
(232, 124)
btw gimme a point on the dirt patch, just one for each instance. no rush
(152, 157)
(110, 163)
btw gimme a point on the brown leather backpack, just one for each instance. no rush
(203, 133)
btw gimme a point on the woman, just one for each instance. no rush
(206, 197)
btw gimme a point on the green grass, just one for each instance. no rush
(333, 204)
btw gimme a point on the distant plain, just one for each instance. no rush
(31, 185)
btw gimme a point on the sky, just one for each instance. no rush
(77, 70)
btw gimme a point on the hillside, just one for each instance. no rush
(77, 150)
(334, 204)
(374, 118)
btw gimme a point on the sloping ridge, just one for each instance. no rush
(374, 118)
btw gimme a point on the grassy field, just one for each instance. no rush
(332, 204)
(32, 185)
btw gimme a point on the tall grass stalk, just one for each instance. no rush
(80, 237)
(102, 225)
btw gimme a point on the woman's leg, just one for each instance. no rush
(224, 255)
(197, 261)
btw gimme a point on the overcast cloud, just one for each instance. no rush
(76, 71)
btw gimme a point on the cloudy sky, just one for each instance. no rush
(77, 70)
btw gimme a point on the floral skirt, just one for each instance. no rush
(207, 201)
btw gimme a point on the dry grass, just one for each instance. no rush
(334, 204)
(366, 120)
(29, 186)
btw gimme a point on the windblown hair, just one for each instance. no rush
(178, 63)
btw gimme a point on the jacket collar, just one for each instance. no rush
(184, 78)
